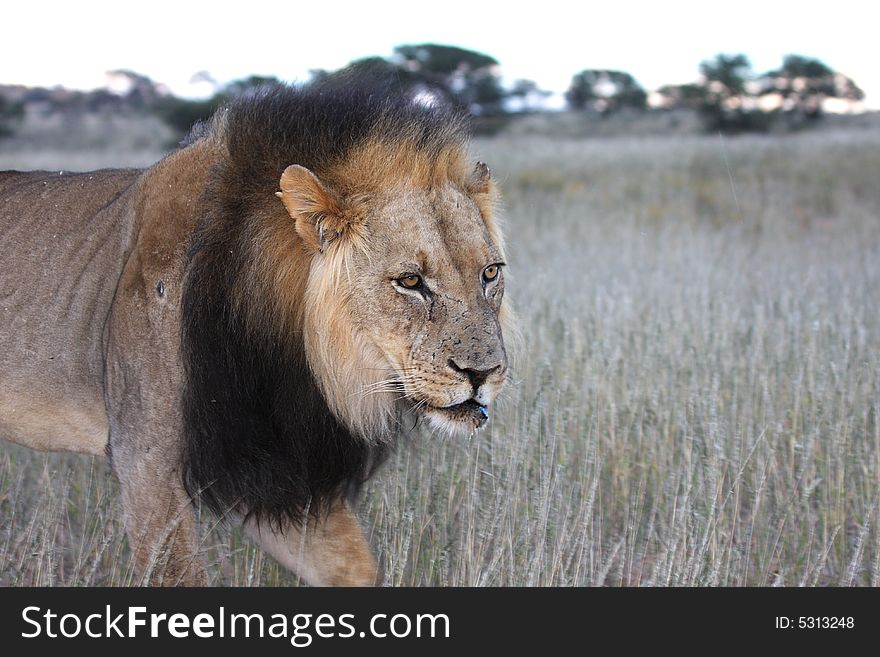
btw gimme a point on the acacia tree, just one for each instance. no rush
(605, 91)
(804, 83)
(731, 92)
(445, 74)
(139, 90)
(527, 96)
(11, 112)
(728, 102)
(721, 86)
(726, 75)
(470, 78)
(690, 96)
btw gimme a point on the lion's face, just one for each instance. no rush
(404, 300)
(428, 295)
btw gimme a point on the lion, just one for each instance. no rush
(245, 325)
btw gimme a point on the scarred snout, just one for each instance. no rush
(464, 381)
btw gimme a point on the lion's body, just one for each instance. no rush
(60, 263)
(187, 323)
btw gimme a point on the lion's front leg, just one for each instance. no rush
(159, 520)
(329, 552)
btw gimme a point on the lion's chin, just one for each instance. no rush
(464, 418)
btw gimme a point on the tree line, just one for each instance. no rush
(728, 95)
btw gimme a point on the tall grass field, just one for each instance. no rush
(694, 401)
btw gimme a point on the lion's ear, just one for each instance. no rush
(316, 210)
(480, 180)
(481, 188)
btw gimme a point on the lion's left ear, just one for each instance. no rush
(480, 180)
(315, 208)
(481, 188)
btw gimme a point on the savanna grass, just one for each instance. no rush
(694, 402)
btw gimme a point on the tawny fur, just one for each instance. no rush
(100, 278)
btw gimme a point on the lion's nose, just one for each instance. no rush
(476, 377)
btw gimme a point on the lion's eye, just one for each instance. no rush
(410, 281)
(490, 273)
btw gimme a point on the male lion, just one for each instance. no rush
(252, 348)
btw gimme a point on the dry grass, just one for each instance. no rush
(697, 402)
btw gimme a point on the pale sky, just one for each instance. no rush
(73, 43)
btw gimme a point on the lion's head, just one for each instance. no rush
(373, 286)
(404, 296)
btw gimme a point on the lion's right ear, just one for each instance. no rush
(317, 211)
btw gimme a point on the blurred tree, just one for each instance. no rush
(734, 99)
(726, 75)
(470, 78)
(581, 93)
(11, 112)
(447, 62)
(682, 96)
(728, 104)
(432, 72)
(803, 84)
(525, 96)
(205, 80)
(522, 88)
(182, 113)
(245, 86)
(138, 90)
(605, 91)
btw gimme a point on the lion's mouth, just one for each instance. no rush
(468, 412)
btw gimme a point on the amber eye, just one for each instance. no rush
(410, 281)
(490, 273)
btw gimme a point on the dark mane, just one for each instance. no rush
(260, 438)
(320, 125)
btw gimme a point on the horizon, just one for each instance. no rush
(663, 45)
